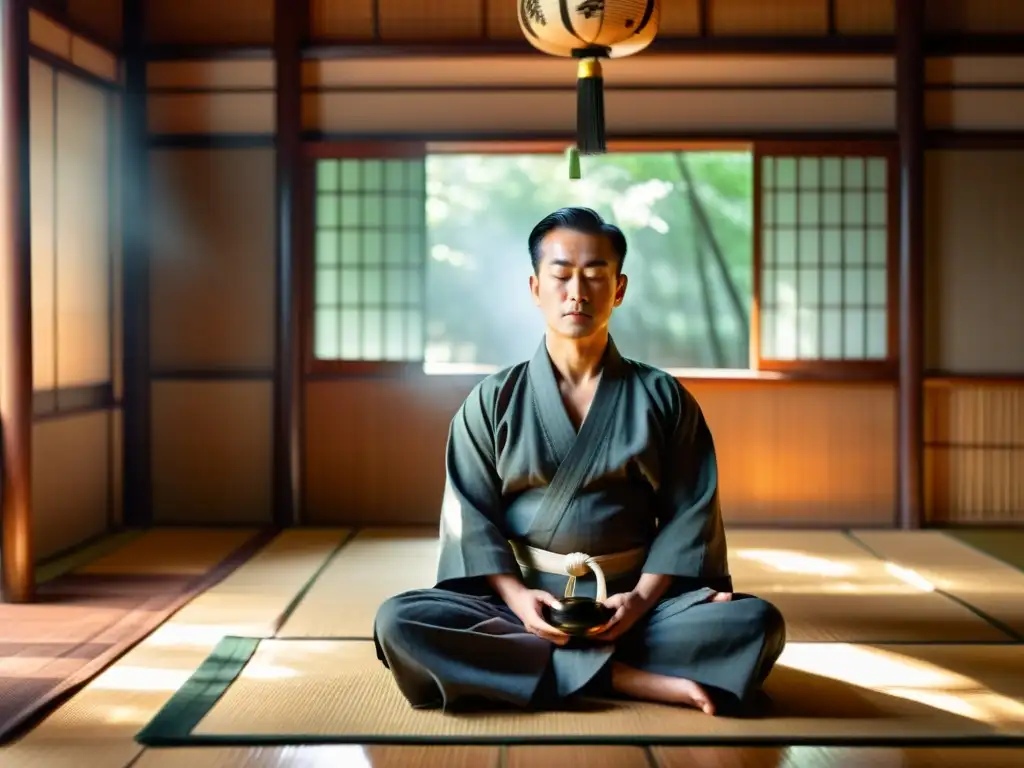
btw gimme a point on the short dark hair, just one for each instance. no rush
(584, 220)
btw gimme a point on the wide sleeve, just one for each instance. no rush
(690, 541)
(472, 542)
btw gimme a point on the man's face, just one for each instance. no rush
(577, 284)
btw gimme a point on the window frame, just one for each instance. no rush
(885, 369)
(313, 152)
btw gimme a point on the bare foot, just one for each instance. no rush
(649, 686)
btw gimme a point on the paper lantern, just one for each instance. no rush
(589, 30)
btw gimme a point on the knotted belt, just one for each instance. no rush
(576, 564)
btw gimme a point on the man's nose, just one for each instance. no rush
(576, 288)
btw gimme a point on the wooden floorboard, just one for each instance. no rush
(344, 756)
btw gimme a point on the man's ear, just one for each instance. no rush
(535, 289)
(620, 290)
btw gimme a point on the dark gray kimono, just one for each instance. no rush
(647, 477)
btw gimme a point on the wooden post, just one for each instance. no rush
(910, 68)
(290, 22)
(17, 555)
(137, 448)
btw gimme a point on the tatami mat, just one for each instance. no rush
(316, 690)
(1006, 544)
(831, 589)
(827, 586)
(99, 723)
(941, 562)
(375, 565)
(172, 551)
(85, 556)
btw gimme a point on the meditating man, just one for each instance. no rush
(579, 450)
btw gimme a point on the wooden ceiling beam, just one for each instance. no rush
(823, 45)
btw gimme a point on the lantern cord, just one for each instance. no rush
(590, 137)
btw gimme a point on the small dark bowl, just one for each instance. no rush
(577, 616)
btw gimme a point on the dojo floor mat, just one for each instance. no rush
(178, 551)
(828, 587)
(945, 563)
(1006, 544)
(86, 618)
(373, 566)
(262, 692)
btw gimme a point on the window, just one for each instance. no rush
(824, 287)
(369, 256)
(776, 257)
(687, 217)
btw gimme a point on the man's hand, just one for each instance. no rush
(628, 607)
(528, 605)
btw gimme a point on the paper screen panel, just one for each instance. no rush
(83, 234)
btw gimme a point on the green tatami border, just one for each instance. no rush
(188, 705)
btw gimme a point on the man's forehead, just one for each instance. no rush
(575, 245)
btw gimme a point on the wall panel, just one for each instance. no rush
(72, 142)
(83, 247)
(678, 71)
(71, 481)
(975, 270)
(981, 109)
(974, 431)
(211, 113)
(431, 19)
(49, 35)
(670, 112)
(117, 467)
(201, 22)
(673, 95)
(211, 75)
(334, 19)
(865, 17)
(450, 19)
(974, 16)
(212, 259)
(974, 71)
(974, 459)
(57, 39)
(72, 248)
(680, 18)
(212, 452)
(212, 333)
(117, 246)
(104, 17)
(375, 450)
(42, 159)
(756, 17)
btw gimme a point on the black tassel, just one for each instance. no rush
(590, 108)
